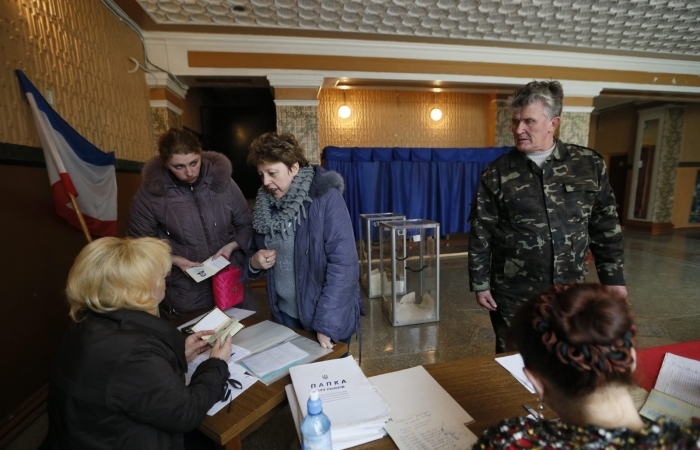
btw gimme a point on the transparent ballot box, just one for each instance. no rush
(370, 279)
(409, 262)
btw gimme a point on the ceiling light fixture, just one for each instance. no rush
(435, 113)
(344, 111)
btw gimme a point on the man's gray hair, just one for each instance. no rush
(550, 92)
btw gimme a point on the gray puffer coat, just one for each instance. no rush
(197, 220)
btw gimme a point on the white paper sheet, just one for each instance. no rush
(660, 404)
(425, 392)
(347, 395)
(515, 365)
(236, 354)
(234, 313)
(433, 429)
(274, 359)
(211, 320)
(339, 442)
(679, 377)
(262, 336)
(237, 373)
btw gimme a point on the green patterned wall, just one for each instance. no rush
(302, 122)
(668, 164)
(574, 128)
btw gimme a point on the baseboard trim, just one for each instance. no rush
(23, 416)
(649, 227)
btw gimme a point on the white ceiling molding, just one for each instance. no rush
(296, 103)
(578, 109)
(581, 89)
(295, 80)
(166, 104)
(161, 79)
(184, 42)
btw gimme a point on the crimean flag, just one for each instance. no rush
(75, 166)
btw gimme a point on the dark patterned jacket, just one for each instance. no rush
(521, 432)
(532, 227)
(197, 220)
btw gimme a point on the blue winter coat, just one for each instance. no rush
(325, 262)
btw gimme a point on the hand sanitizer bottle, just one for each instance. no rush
(316, 427)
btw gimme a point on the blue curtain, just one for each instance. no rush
(422, 183)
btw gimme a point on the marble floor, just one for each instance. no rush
(663, 277)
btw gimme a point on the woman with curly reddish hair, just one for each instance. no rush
(577, 342)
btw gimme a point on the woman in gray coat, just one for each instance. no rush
(189, 199)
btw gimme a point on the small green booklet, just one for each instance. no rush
(218, 321)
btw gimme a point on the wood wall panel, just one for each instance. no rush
(39, 248)
(80, 51)
(384, 118)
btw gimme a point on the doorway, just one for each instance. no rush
(618, 180)
(231, 119)
(645, 165)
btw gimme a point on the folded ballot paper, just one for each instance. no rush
(218, 321)
(356, 409)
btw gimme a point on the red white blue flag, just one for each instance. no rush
(75, 166)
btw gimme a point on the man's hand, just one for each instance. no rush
(194, 344)
(486, 301)
(621, 290)
(184, 263)
(324, 340)
(226, 250)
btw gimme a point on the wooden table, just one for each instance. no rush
(481, 386)
(256, 405)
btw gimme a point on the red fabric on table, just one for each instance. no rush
(649, 361)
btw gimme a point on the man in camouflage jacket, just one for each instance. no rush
(537, 211)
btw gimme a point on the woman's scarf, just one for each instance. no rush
(286, 209)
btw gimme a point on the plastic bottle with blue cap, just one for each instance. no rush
(316, 427)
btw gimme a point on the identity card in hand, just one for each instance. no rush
(208, 268)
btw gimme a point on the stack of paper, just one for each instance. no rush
(234, 313)
(266, 336)
(427, 418)
(356, 409)
(676, 394)
(220, 322)
(272, 359)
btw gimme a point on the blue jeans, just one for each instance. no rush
(296, 323)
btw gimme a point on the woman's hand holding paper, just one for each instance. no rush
(222, 349)
(194, 344)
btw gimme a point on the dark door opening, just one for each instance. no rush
(618, 181)
(231, 119)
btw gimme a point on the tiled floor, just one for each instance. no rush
(663, 275)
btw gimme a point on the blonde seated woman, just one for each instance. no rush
(118, 379)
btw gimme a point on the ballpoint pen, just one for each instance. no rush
(529, 409)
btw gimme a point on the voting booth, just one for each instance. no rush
(370, 278)
(409, 265)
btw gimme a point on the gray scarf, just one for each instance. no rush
(287, 209)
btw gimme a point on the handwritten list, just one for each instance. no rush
(679, 377)
(434, 429)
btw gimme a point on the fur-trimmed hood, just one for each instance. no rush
(324, 180)
(216, 171)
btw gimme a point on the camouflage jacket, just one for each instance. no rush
(532, 227)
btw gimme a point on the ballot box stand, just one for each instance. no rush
(370, 278)
(409, 264)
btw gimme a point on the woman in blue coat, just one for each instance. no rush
(306, 242)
